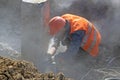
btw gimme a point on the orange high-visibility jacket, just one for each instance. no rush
(92, 38)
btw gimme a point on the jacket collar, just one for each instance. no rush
(67, 28)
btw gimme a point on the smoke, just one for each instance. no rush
(62, 3)
(110, 31)
(8, 51)
(10, 26)
(103, 14)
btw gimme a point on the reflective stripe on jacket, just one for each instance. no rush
(92, 38)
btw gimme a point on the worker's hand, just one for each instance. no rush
(51, 51)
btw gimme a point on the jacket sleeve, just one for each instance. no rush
(76, 39)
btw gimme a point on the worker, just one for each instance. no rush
(75, 32)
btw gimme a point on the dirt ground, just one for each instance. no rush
(22, 70)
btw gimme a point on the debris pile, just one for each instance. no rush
(22, 70)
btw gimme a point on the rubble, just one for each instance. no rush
(22, 70)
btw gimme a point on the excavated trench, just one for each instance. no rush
(22, 27)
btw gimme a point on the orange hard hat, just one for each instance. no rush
(55, 24)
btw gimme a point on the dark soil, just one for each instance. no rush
(22, 70)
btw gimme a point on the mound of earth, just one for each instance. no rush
(22, 70)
